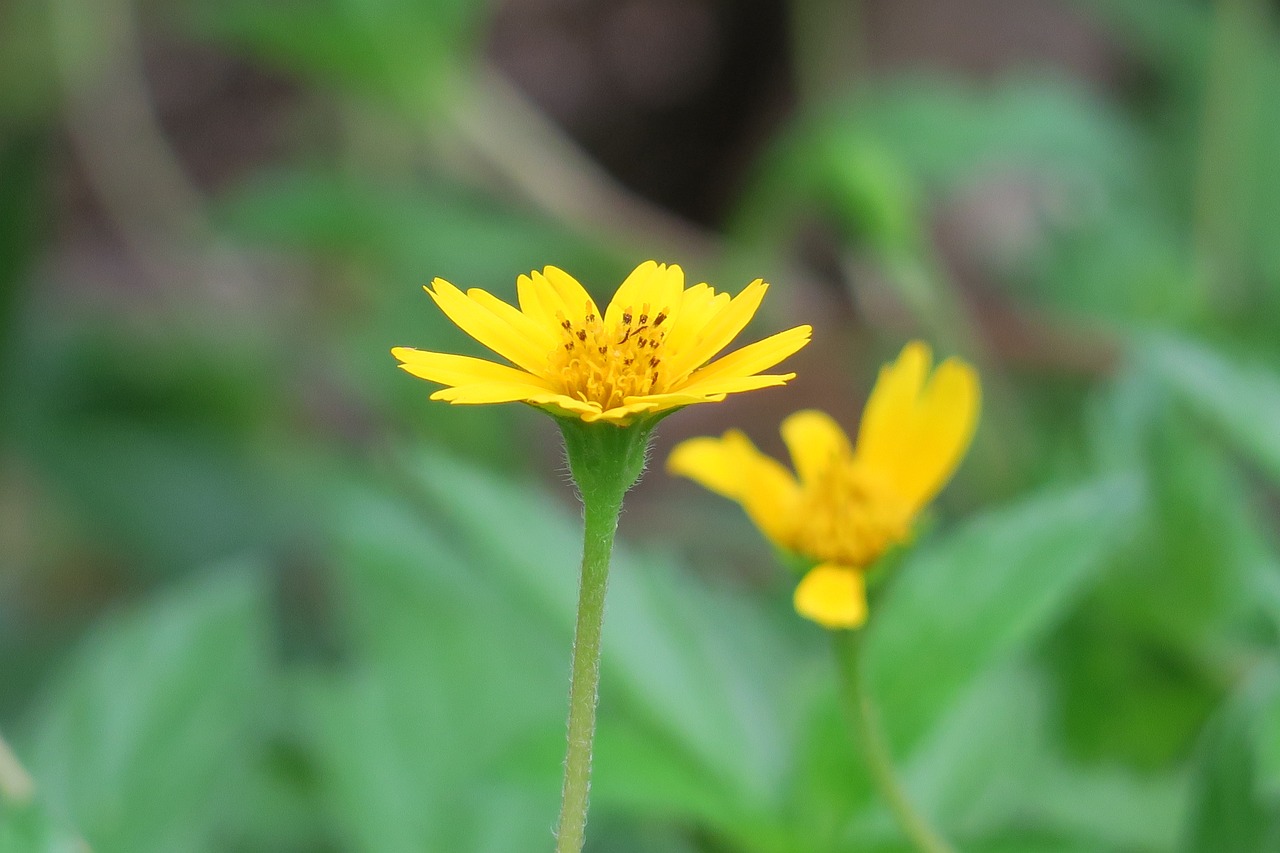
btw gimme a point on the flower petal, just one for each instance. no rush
(449, 369)
(545, 336)
(732, 466)
(717, 332)
(834, 596)
(577, 302)
(488, 328)
(946, 417)
(882, 438)
(916, 428)
(539, 300)
(817, 444)
(490, 392)
(752, 358)
(657, 285)
(696, 307)
(717, 388)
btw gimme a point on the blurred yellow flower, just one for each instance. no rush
(646, 353)
(846, 505)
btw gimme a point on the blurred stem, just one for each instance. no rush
(1230, 83)
(866, 728)
(538, 159)
(15, 783)
(115, 131)
(605, 461)
(827, 46)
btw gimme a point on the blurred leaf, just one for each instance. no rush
(29, 829)
(28, 76)
(1174, 33)
(170, 496)
(890, 149)
(426, 229)
(985, 593)
(407, 52)
(1236, 801)
(464, 595)
(1240, 401)
(23, 161)
(1002, 733)
(144, 741)
(692, 664)
(448, 676)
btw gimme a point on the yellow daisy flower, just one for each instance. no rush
(647, 352)
(847, 504)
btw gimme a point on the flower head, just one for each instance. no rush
(848, 503)
(647, 352)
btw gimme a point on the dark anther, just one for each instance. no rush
(626, 317)
(582, 334)
(657, 321)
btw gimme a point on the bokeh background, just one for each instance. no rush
(257, 593)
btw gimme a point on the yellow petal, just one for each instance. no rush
(657, 285)
(833, 596)
(561, 404)
(490, 392)
(577, 302)
(697, 306)
(545, 336)
(540, 301)
(718, 331)
(945, 420)
(732, 466)
(448, 369)
(753, 358)
(882, 438)
(716, 389)
(817, 444)
(488, 328)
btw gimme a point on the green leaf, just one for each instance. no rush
(144, 742)
(968, 601)
(28, 828)
(701, 667)
(1242, 401)
(463, 592)
(405, 52)
(1236, 802)
(1002, 733)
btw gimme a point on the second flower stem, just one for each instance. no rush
(601, 521)
(866, 724)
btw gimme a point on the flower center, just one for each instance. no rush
(604, 364)
(851, 517)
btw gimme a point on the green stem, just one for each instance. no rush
(866, 725)
(605, 461)
(601, 521)
(15, 783)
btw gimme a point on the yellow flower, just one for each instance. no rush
(847, 504)
(646, 353)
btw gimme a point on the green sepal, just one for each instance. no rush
(605, 459)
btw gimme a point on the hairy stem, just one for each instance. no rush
(605, 461)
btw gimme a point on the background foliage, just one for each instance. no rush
(257, 594)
